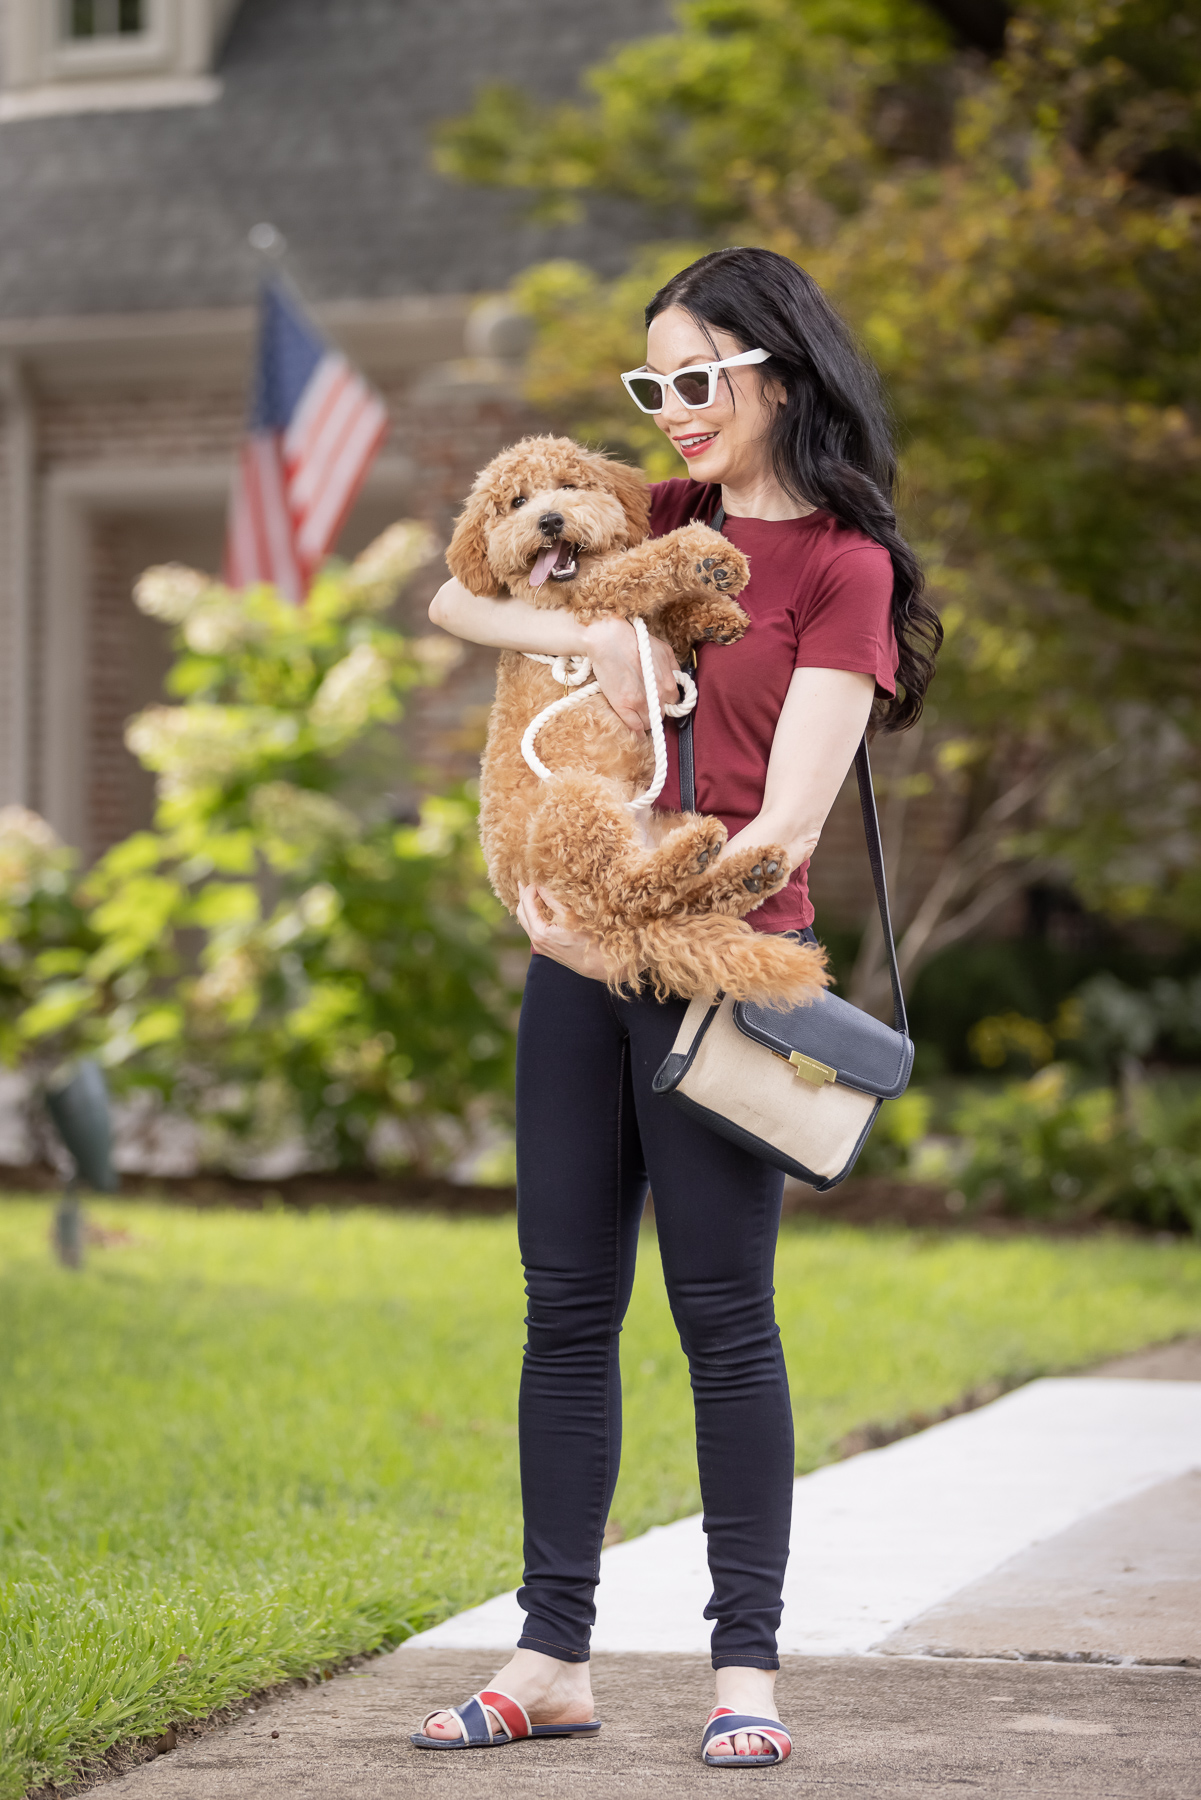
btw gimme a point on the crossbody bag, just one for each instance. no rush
(799, 1087)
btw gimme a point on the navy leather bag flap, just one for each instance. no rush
(832, 1040)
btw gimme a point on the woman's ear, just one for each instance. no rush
(467, 557)
(630, 490)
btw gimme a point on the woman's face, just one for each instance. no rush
(728, 441)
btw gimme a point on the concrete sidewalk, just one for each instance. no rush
(1008, 1603)
(866, 1728)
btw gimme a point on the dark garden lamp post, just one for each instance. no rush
(78, 1106)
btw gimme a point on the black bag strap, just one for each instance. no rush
(684, 725)
(871, 828)
(875, 856)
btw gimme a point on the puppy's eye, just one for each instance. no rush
(568, 487)
(517, 500)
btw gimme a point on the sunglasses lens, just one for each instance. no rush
(648, 392)
(693, 388)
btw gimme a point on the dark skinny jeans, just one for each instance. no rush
(589, 1135)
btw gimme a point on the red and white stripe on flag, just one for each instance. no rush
(334, 433)
(262, 536)
(294, 488)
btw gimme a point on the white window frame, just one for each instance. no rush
(166, 64)
(85, 59)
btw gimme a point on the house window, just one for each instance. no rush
(61, 56)
(103, 18)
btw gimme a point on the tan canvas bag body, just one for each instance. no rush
(797, 1086)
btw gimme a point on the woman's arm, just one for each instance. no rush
(610, 644)
(506, 624)
(818, 732)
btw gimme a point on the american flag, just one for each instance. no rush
(315, 426)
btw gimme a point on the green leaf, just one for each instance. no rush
(60, 1004)
(221, 904)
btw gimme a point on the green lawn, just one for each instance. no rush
(247, 1444)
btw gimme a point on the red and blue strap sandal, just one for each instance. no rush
(475, 1719)
(723, 1722)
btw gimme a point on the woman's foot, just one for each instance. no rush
(552, 1692)
(747, 1691)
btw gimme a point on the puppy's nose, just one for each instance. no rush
(551, 524)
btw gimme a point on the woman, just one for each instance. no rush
(795, 448)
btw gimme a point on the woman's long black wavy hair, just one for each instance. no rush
(832, 440)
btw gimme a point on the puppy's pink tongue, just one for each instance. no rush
(545, 563)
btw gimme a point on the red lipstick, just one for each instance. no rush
(694, 449)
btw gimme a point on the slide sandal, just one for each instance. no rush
(723, 1722)
(477, 1726)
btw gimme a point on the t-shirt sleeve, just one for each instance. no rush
(674, 503)
(848, 621)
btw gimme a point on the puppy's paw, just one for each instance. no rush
(705, 849)
(684, 857)
(754, 879)
(718, 621)
(740, 882)
(767, 874)
(710, 562)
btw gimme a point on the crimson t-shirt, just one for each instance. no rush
(819, 597)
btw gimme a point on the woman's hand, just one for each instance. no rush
(612, 644)
(558, 937)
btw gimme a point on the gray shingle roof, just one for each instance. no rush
(322, 128)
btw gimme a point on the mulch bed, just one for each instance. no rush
(921, 1206)
(865, 1200)
(410, 1193)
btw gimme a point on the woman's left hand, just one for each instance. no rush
(558, 937)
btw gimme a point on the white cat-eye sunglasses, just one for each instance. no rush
(694, 386)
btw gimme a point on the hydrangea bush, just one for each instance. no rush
(280, 952)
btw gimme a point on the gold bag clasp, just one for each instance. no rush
(809, 1069)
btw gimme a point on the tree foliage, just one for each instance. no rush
(712, 122)
(1031, 290)
(278, 952)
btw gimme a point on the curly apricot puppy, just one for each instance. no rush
(557, 525)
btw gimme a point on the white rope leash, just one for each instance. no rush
(545, 716)
(568, 671)
(571, 671)
(685, 705)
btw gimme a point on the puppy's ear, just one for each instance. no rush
(630, 490)
(467, 557)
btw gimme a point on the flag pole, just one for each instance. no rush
(273, 254)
